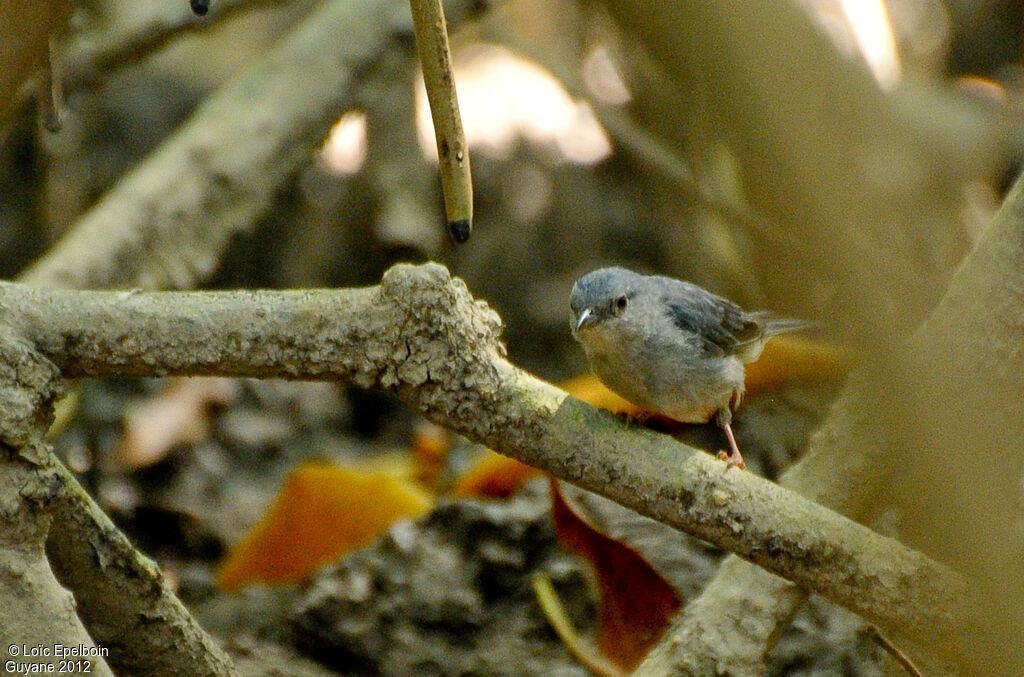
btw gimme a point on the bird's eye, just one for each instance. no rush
(620, 303)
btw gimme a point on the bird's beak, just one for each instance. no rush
(585, 318)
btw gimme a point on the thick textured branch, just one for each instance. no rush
(34, 603)
(125, 602)
(118, 593)
(422, 336)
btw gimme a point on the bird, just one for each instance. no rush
(669, 346)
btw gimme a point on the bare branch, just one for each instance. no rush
(35, 606)
(118, 592)
(122, 596)
(166, 222)
(90, 55)
(422, 336)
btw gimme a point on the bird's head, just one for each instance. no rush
(600, 296)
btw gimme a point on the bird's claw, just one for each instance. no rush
(732, 462)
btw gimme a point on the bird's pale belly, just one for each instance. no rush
(692, 397)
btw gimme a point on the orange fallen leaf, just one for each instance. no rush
(493, 475)
(637, 602)
(321, 513)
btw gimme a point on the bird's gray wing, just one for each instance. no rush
(722, 326)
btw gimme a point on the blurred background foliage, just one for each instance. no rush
(830, 160)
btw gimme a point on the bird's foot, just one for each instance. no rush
(732, 460)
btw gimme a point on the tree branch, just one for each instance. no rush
(118, 591)
(92, 55)
(35, 606)
(124, 601)
(166, 222)
(421, 336)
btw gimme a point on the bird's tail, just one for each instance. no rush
(770, 325)
(773, 324)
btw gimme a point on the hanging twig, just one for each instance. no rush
(452, 150)
(893, 650)
(52, 97)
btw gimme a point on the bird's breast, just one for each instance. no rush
(670, 380)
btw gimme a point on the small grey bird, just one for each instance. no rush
(669, 346)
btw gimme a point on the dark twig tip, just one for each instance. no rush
(460, 229)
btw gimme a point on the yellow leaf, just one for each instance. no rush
(792, 358)
(589, 388)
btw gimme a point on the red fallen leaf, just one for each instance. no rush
(321, 513)
(637, 602)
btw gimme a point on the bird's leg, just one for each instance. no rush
(733, 456)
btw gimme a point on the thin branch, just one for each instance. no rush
(452, 149)
(91, 55)
(52, 96)
(905, 662)
(422, 336)
(167, 221)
